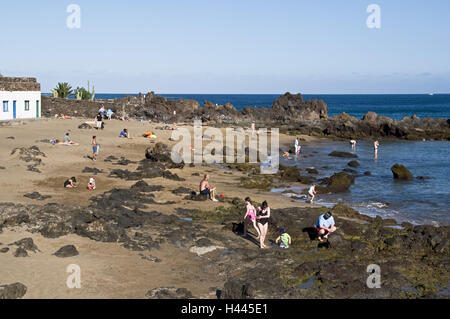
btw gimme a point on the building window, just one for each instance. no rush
(5, 106)
(27, 105)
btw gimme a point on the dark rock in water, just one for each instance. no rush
(292, 174)
(4, 250)
(401, 172)
(343, 154)
(37, 196)
(85, 126)
(20, 252)
(169, 293)
(90, 170)
(423, 177)
(353, 164)
(367, 173)
(26, 244)
(237, 289)
(339, 182)
(182, 191)
(312, 171)
(67, 251)
(13, 291)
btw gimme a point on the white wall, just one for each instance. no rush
(20, 97)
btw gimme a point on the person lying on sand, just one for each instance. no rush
(68, 141)
(206, 189)
(70, 183)
(325, 226)
(125, 133)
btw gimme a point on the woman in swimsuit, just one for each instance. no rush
(250, 217)
(262, 218)
(70, 183)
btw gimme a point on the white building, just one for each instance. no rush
(20, 98)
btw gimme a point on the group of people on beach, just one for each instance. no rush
(72, 183)
(259, 218)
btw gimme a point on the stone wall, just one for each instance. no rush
(81, 108)
(19, 84)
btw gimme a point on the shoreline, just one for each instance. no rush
(152, 224)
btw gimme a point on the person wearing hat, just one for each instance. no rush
(325, 226)
(284, 239)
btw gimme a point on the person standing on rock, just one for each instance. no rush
(206, 189)
(262, 218)
(325, 226)
(312, 193)
(250, 217)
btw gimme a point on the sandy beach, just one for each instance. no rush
(109, 271)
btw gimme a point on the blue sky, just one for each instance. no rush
(246, 46)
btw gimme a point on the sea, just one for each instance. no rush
(417, 201)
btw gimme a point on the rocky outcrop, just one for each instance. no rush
(13, 291)
(289, 112)
(339, 182)
(67, 251)
(401, 172)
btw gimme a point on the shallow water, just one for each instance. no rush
(415, 201)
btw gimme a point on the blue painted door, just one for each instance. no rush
(14, 110)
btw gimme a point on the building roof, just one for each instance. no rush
(19, 84)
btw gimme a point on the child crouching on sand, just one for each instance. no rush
(284, 239)
(91, 185)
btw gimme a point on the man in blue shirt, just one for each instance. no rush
(325, 226)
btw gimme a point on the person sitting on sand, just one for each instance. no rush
(125, 133)
(206, 189)
(70, 183)
(91, 185)
(325, 226)
(262, 218)
(312, 192)
(102, 111)
(250, 217)
(109, 114)
(68, 141)
(284, 240)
